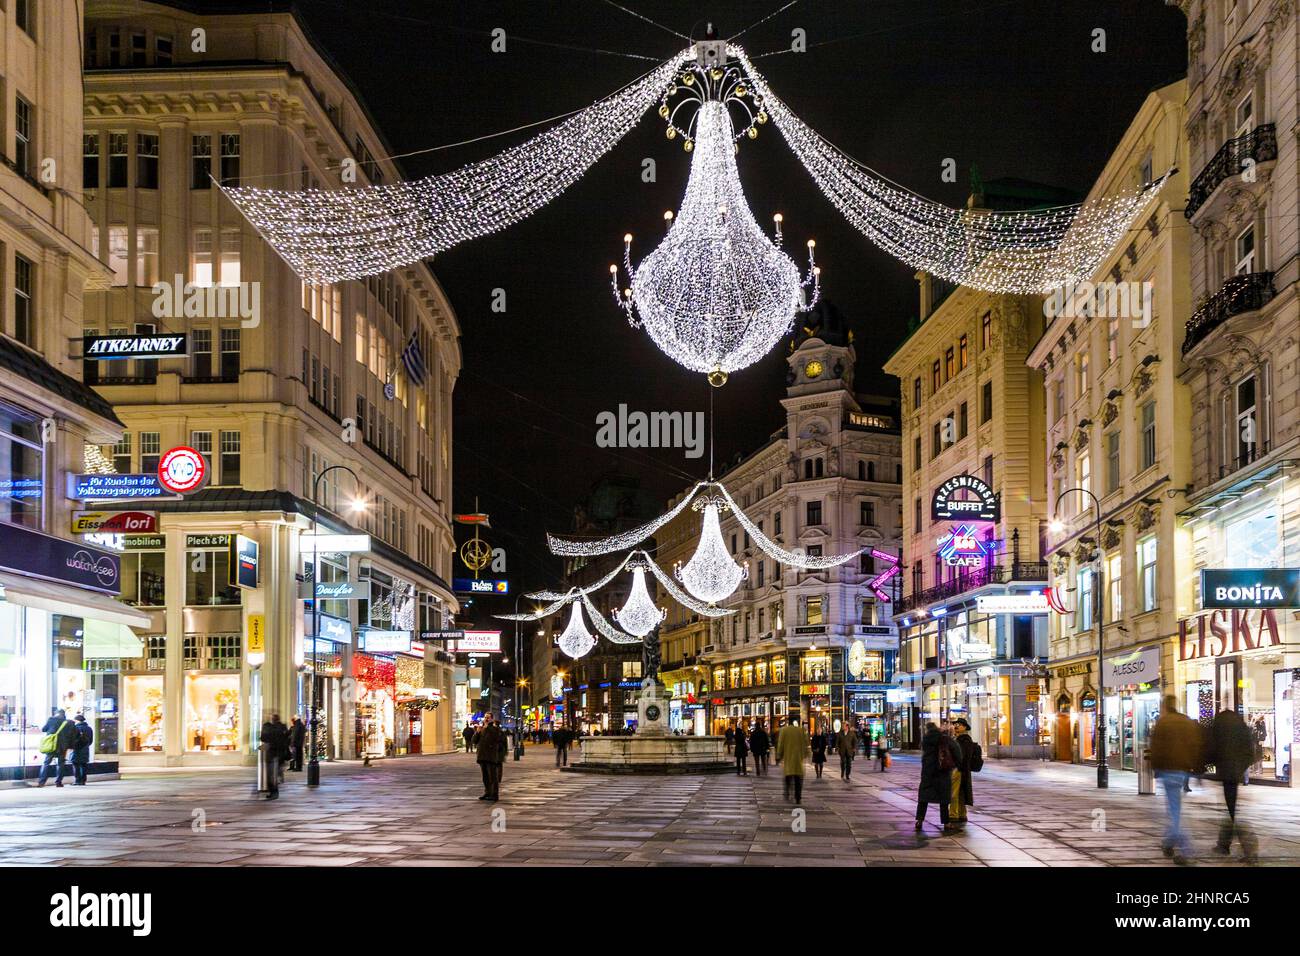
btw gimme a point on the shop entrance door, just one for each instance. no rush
(1128, 726)
(1064, 737)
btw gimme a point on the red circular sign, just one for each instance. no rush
(182, 470)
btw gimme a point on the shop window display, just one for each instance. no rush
(142, 710)
(207, 579)
(211, 712)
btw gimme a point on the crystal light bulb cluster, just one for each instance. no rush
(639, 615)
(576, 639)
(711, 574)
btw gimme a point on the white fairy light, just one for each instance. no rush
(680, 596)
(769, 547)
(717, 293)
(332, 235)
(604, 627)
(1010, 252)
(711, 574)
(639, 615)
(624, 539)
(576, 639)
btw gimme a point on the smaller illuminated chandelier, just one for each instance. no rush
(576, 639)
(716, 294)
(638, 615)
(711, 574)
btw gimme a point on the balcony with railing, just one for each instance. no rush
(1244, 293)
(991, 574)
(1234, 156)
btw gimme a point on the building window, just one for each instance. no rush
(25, 16)
(1083, 476)
(230, 354)
(963, 353)
(1112, 338)
(867, 513)
(22, 468)
(118, 160)
(963, 421)
(986, 402)
(776, 523)
(23, 136)
(916, 393)
(813, 612)
(1247, 439)
(986, 331)
(146, 160)
(1112, 462)
(207, 575)
(139, 50)
(146, 256)
(935, 440)
(1146, 558)
(119, 255)
(1058, 398)
(121, 454)
(1115, 585)
(948, 365)
(150, 452)
(1081, 368)
(230, 159)
(934, 377)
(202, 443)
(988, 470)
(1245, 251)
(916, 453)
(200, 161)
(201, 262)
(90, 161)
(162, 51)
(230, 248)
(916, 526)
(1148, 435)
(814, 511)
(24, 309)
(230, 470)
(1085, 615)
(144, 578)
(201, 353)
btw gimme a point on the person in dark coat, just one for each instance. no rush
(561, 738)
(882, 752)
(731, 739)
(275, 746)
(936, 782)
(1231, 749)
(491, 758)
(65, 732)
(742, 753)
(297, 736)
(468, 734)
(760, 745)
(964, 790)
(818, 752)
(81, 749)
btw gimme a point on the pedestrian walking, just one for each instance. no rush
(81, 749)
(760, 745)
(818, 745)
(491, 748)
(882, 752)
(972, 760)
(468, 734)
(792, 750)
(847, 747)
(730, 738)
(561, 738)
(1231, 749)
(297, 738)
(59, 736)
(741, 752)
(1176, 751)
(939, 756)
(274, 742)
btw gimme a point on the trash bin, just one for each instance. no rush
(1146, 775)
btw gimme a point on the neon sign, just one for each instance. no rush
(964, 548)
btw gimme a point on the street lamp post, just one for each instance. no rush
(1099, 606)
(519, 710)
(358, 505)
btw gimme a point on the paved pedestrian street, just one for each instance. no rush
(425, 811)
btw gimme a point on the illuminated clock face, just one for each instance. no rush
(813, 369)
(857, 658)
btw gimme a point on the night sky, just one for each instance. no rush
(1012, 88)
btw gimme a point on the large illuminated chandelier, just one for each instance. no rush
(639, 615)
(576, 640)
(359, 231)
(716, 294)
(711, 575)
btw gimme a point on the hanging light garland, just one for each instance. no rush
(622, 540)
(606, 629)
(1010, 252)
(711, 574)
(639, 615)
(576, 639)
(716, 294)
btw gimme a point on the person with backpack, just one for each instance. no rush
(81, 750)
(972, 761)
(60, 736)
(939, 757)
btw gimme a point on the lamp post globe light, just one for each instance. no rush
(356, 506)
(1099, 604)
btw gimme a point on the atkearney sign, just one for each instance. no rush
(109, 347)
(1250, 588)
(945, 507)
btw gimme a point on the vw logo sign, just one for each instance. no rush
(182, 470)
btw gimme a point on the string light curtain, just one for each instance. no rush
(351, 233)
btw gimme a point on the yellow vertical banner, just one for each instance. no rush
(257, 633)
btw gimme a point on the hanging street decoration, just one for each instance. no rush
(576, 640)
(711, 575)
(639, 615)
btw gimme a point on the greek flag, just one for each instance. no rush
(413, 360)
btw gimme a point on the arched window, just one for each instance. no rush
(862, 471)
(871, 471)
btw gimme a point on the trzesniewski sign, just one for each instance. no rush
(133, 346)
(946, 506)
(1250, 587)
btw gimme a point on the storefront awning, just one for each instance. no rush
(105, 639)
(66, 599)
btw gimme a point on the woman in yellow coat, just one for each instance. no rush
(792, 749)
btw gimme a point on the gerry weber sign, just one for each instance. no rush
(1250, 587)
(982, 507)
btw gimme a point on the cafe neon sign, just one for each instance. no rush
(964, 548)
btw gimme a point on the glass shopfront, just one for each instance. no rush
(375, 704)
(1130, 717)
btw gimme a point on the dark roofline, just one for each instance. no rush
(221, 500)
(35, 369)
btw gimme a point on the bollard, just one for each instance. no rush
(1146, 775)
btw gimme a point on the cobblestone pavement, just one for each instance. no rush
(424, 811)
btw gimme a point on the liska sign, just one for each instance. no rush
(1227, 631)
